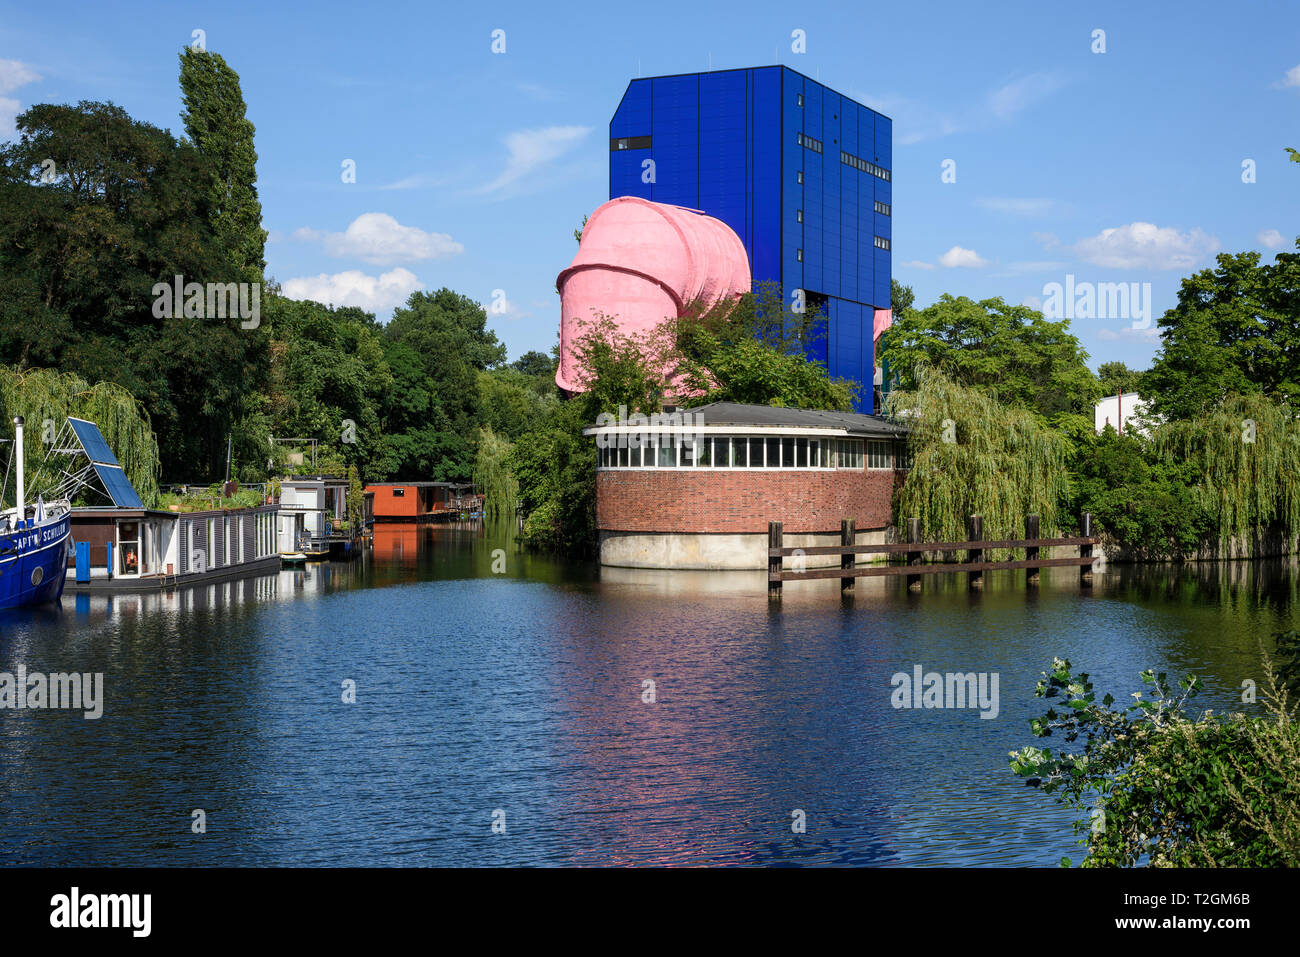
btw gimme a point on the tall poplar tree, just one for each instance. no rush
(216, 124)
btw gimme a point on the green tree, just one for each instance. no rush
(755, 349)
(82, 244)
(216, 122)
(534, 363)
(1116, 377)
(1142, 502)
(1234, 330)
(1011, 352)
(328, 380)
(901, 298)
(973, 455)
(45, 398)
(1161, 786)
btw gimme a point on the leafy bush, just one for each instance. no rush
(1165, 788)
(1139, 502)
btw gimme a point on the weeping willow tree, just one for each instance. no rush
(972, 455)
(1246, 456)
(45, 398)
(493, 475)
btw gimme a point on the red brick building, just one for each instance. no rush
(697, 489)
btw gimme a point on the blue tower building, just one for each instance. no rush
(800, 172)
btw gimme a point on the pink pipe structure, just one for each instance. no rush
(641, 263)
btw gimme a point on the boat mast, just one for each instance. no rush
(18, 441)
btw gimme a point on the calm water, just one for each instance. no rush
(521, 692)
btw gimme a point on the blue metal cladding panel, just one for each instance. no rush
(92, 440)
(793, 194)
(625, 173)
(631, 119)
(882, 278)
(884, 141)
(723, 154)
(866, 244)
(849, 235)
(832, 197)
(675, 133)
(766, 143)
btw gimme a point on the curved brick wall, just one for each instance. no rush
(706, 500)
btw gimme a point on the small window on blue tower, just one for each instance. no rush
(798, 177)
(799, 99)
(629, 143)
(798, 255)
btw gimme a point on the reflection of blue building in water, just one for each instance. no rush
(800, 172)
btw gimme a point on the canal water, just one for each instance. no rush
(497, 688)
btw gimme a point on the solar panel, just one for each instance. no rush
(92, 440)
(117, 485)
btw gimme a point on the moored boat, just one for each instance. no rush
(33, 544)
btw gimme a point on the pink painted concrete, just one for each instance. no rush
(884, 319)
(641, 263)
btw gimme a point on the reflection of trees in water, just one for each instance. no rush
(1234, 587)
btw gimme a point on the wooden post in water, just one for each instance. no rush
(1085, 551)
(974, 533)
(774, 537)
(848, 536)
(913, 558)
(1031, 551)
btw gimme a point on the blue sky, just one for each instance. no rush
(473, 167)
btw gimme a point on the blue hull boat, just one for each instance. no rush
(33, 544)
(34, 558)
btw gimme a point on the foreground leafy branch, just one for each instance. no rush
(1160, 787)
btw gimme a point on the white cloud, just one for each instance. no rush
(1292, 77)
(1033, 302)
(378, 294)
(1150, 334)
(1271, 238)
(1048, 240)
(916, 264)
(1146, 246)
(379, 239)
(529, 150)
(1018, 95)
(1018, 206)
(13, 74)
(9, 110)
(915, 121)
(959, 258)
(502, 307)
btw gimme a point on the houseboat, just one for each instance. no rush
(424, 501)
(313, 517)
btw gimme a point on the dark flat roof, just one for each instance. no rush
(417, 484)
(741, 415)
(736, 413)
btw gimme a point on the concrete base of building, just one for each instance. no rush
(722, 551)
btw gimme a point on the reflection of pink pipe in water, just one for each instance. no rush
(641, 263)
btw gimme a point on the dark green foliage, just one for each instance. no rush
(217, 125)
(1116, 377)
(328, 369)
(1138, 501)
(1162, 787)
(901, 298)
(79, 258)
(754, 350)
(1234, 331)
(1011, 352)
